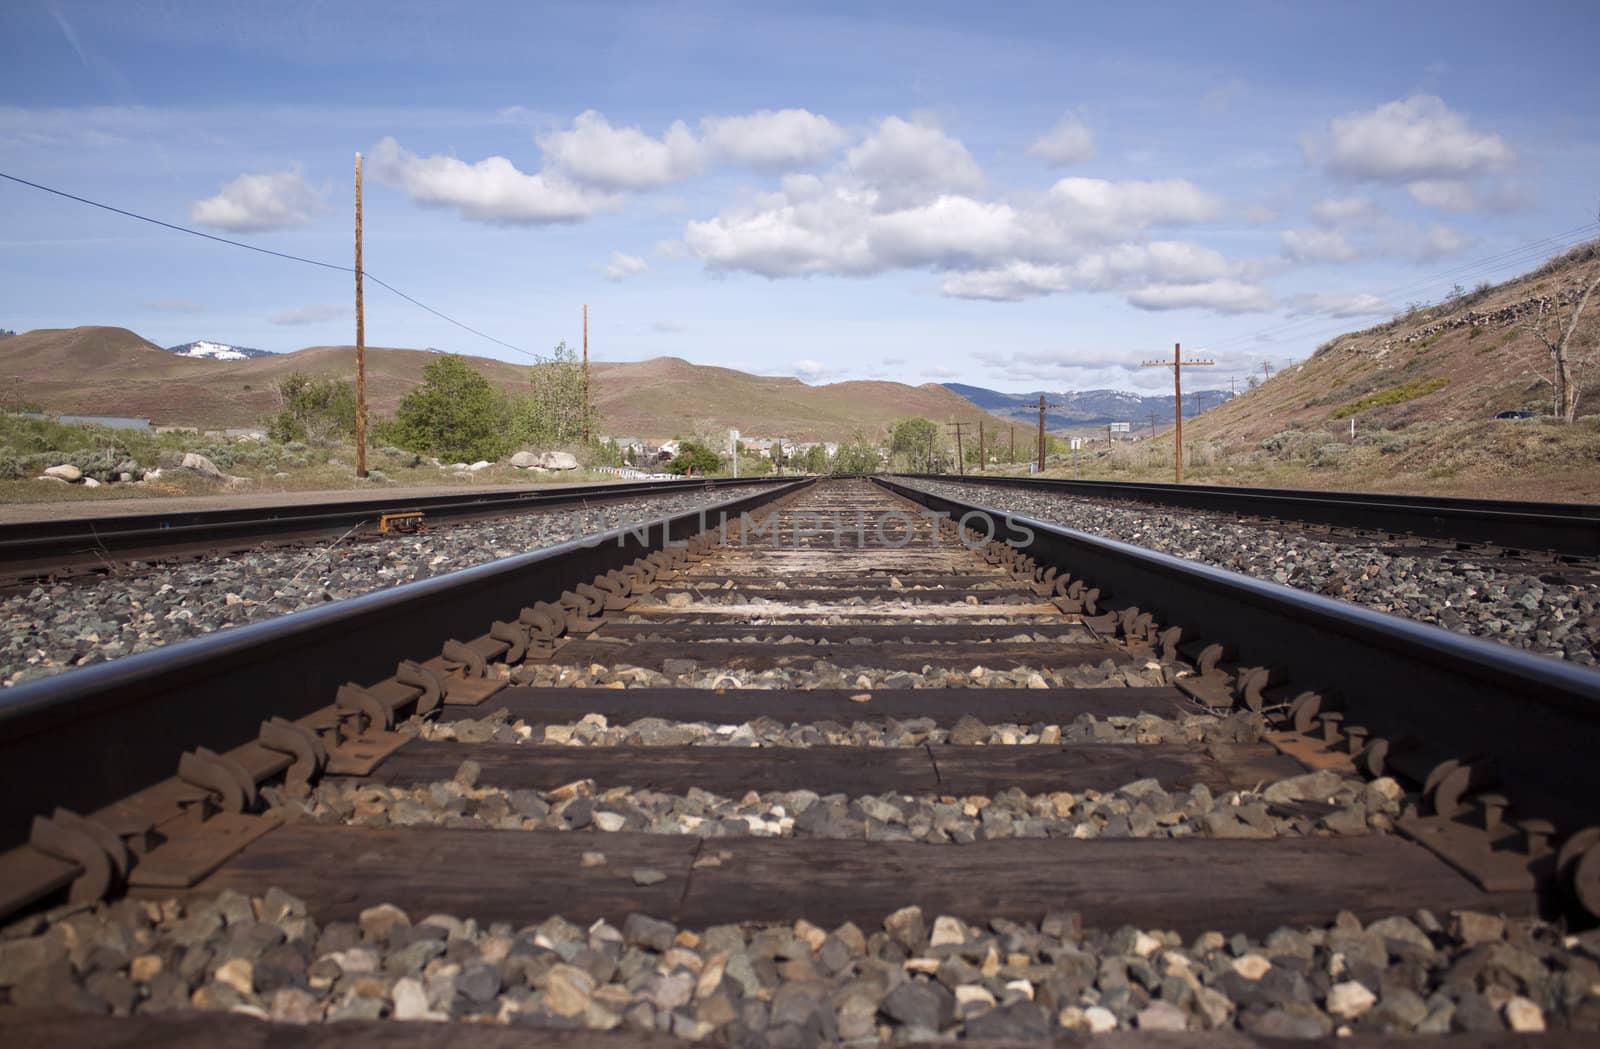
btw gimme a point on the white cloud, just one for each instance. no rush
(905, 161)
(621, 266)
(773, 141)
(938, 371)
(596, 153)
(257, 203)
(491, 190)
(1316, 245)
(1119, 267)
(811, 371)
(947, 231)
(174, 306)
(1219, 296)
(1440, 241)
(1069, 142)
(1445, 194)
(309, 315)
(1338, 306)
(1408, 140)
(1346, 211)
(1114, 209)
(668, 327)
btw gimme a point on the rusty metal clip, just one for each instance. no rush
(465, 658)
(100, 854)
(286, 737)
(370, 712)
(414, 675)
(514, 635)
(230, 781)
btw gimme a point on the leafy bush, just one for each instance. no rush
(1329, 454)
(313, 410)
(455, 414)
(695, 458)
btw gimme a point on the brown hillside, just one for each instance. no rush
(112, 371)
(1455, 362)
(667, 395)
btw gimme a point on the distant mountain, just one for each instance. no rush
(217, 351)
(112, 371)
(1079, 409)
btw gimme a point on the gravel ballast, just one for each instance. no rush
(1313, 804)
(1462, 593)
(55, 627)
(917, 976)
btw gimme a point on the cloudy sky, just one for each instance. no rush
(1013, 196)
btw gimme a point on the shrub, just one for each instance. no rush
(1400, 394)
(454, 414)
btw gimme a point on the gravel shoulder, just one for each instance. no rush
(1539, 613)
(55, 627)
(22, 513)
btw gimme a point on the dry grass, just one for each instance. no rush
(1494, 459)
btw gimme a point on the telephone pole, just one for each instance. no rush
(1013, 456)
(1042, 407)
(361, 344)
(586, 376)
(1152, 425)
(980, 446)
(1177, 365)
(961, 463)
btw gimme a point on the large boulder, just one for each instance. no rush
(64, 472)
(481, 464)
(202, 466)
(558, 461)
(525, 460)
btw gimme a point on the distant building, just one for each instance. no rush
(114, 422)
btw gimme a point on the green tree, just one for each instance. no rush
(557, 409)
(813, 460)
(859, 456)
(313, 409)
(695, 458)
(917, 443)
(455, 414)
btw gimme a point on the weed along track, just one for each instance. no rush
(836, 761)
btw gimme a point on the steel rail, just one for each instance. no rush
(1567, 529)
(85, 738)
(1435, 694)
(34, 549)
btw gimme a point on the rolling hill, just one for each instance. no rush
(113, 371)
(1467, 358)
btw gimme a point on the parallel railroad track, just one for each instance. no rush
(1536, 532)
(90, 545)
(569, 762)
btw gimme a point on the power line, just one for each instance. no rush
(269, 251)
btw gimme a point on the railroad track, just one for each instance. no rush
(1521, 530)
(848, 761)
(74, 547)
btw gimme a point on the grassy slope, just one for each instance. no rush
(1488, 368)
(112, 371)
(1444, 441)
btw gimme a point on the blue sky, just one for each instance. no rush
(1015, 196)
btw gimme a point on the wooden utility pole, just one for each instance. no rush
(980, 445)
(1042, 407)
(1152, 425)
(361, 344)
(1013, 456)
(961, 463)
(586, 375)
(1177, 365)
